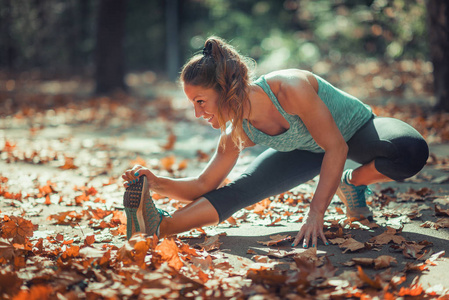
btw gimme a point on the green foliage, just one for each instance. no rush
(291, 33)
(60, 35)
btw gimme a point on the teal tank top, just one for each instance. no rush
(348, 112)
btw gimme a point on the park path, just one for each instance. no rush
(86, 148)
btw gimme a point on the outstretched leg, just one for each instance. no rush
(271, 173)
(194, 215)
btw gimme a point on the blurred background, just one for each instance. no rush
(374, 49)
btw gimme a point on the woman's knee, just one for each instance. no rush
(412, 155)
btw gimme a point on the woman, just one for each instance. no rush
(311, 128)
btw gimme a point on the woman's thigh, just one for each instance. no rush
(398, 150)
(271, 173)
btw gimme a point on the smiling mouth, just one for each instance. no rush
(209, 119)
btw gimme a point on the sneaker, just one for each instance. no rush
(141, 213)
(354, 198)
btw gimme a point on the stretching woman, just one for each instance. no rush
(310, 127)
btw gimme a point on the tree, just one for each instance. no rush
(110, 56)
(438, 15)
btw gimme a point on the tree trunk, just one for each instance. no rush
(8, 51)
(171, 11)
(109, 56)
(438, 17)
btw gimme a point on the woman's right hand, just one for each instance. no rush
(131, 176)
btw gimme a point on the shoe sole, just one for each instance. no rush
(133, 201)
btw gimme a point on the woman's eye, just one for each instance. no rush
(200, 102)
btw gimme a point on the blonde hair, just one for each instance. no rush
(223, 69)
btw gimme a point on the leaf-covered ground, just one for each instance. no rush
(62, 224)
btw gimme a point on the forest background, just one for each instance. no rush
(109, 41)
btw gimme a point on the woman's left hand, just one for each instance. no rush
(311, 229)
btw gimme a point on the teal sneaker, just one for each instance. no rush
(141, 213)
(354, 198)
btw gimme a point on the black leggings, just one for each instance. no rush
(398, 151)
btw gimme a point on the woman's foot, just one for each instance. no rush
(141, 213)
(354, 198)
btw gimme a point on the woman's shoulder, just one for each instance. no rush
(285, 83)
(286, 78)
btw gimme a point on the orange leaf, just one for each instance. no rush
(211, 243)
(47, 200)
(10, 283)
(168, 162)
(276, 239)
(17, 228)
(90, 239)
(414, 290)
(73, 251)
(168, 252)
(68, 163)
(35, 292)
(171, 142)
(362, 275)
(183, 164)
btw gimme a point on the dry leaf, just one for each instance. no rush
(90, 239)
(276, 239)
(352, 245)
(170, 142)
(384, 261)
(17, 228)
(440, 223)
(390, 235)
(168, 252)
(441, 212)
(210, 243)
(373, 283)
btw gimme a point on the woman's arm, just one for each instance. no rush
(297, 94)
(191, 188)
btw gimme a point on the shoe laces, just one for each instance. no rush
(359, 193)
(163, 213)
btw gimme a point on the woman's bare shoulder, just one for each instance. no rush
(288, 78)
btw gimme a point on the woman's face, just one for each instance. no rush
(204, 102)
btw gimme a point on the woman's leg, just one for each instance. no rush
(367, 174)
(196, 214)
(271, 173)
(388, 149)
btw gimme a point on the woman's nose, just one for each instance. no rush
(198, 112)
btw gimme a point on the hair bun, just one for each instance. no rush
(207, 50)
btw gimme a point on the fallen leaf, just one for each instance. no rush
(414, 290)
(9, 282)
(308, 255)
(90, 239)
(440, 223)
(384, 261)
(17, 228)
(168, 251)
(68, 163)
(276, 239)
(441, 212)
(361, 261)
(390, 235)
(352, 245)
(373, 283)
(170, 142)
(210, 243)
(168, 162)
